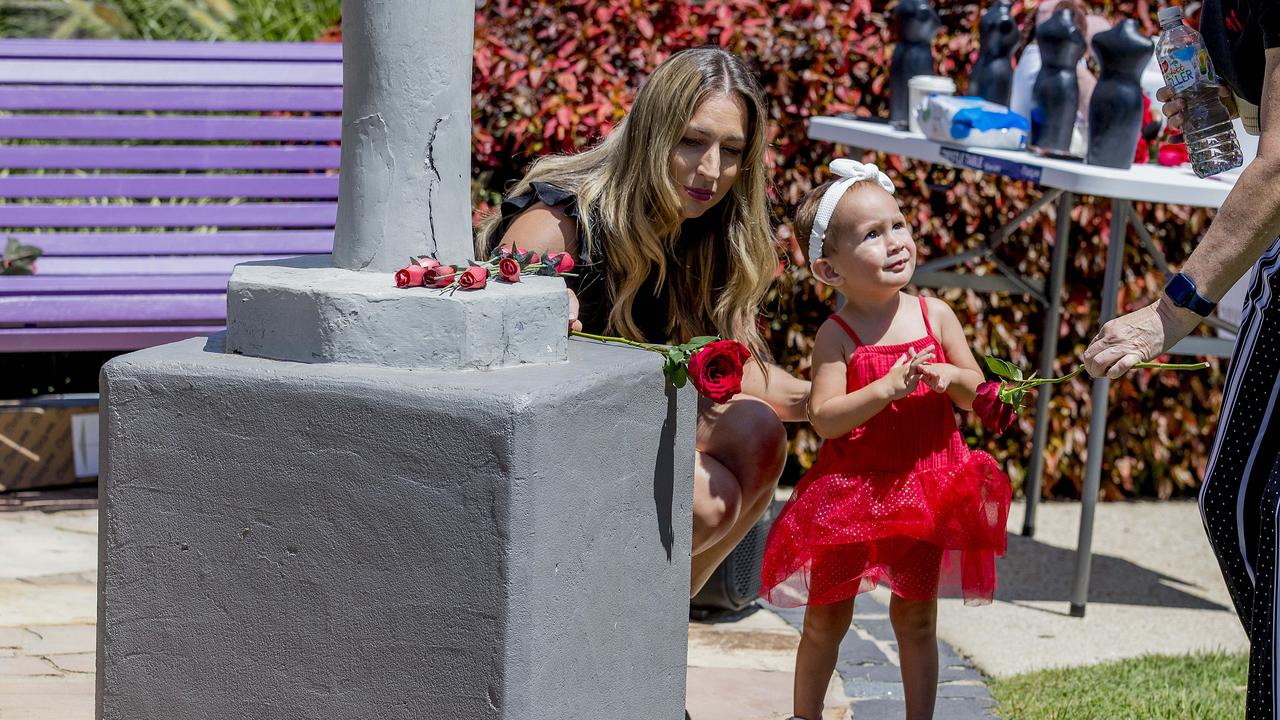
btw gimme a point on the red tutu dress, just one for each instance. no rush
(901, 499)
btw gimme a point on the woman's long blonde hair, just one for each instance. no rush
(713, 271)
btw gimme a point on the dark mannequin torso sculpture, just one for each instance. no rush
(992, 77)
(1055, 94)
(916, 25)
(1115, 110)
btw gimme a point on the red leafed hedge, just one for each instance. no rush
(555, 76)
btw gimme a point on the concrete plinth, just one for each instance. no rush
(285, 540)
(302, 309)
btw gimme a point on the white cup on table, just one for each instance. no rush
(919, 88)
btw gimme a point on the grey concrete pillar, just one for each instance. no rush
(336, 542)
(406, 132)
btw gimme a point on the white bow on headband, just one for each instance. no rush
(849, 172)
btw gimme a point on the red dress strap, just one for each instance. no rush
(840, 321)
(924, 310)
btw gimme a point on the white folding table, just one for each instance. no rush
(1063, 180)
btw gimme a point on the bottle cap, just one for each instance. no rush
(1169, 14)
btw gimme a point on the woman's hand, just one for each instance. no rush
(905, 375)
(1137, 337)
(1173, 106)
(573, 311)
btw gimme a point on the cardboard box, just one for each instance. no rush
(48, 441)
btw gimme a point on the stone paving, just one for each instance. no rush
(48, 580)
(1156, 589)
(871, 677)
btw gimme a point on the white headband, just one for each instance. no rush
(850, 172)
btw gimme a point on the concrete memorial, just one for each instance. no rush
(370, 503)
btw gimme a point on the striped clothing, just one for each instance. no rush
(1240, 498)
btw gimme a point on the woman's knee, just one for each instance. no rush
(750, 440)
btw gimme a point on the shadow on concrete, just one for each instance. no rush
(1033, 570)
(664, 473)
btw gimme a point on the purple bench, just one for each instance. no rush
(147, 170)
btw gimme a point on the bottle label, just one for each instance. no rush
(1187, 67)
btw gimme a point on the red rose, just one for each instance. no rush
(410, 276)
(1173, 152)
(994, 414)
(428, 262)
(716, 369)
(440, 276)
(563, 262)
(474, 278)
(509, 269)
(1142, 154)
(513, 251)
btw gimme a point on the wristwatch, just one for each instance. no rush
(1182, 291)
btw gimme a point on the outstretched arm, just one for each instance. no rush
(784, 392)
(1244, 227)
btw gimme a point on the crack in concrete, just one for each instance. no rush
(431, 188)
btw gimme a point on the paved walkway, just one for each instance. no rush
(1156, 588)
(48, 605)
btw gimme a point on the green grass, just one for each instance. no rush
(277, 20)
(1151, 687)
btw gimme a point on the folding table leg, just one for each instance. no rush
(1098, 412)
(1048, 356)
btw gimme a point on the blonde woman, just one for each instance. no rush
(667, 219)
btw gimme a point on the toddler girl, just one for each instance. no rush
(895, 495)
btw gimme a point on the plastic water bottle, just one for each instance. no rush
(1206, 123)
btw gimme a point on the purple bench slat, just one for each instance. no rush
(115, 284)
(170, 50)
(171, 72)
(285, 214)
(254, 242)
(168, 157)
(135, 127)
(124, 290)
(214, 99)
(133, 309)
(132, 337)
(154, 265)
(283, 185)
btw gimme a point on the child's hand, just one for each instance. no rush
(938, 376)
(905, 375)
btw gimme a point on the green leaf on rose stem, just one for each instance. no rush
(701, 341)
(1003, 368)
(472, 263)
(679, 376)
(1017, 398)
(676, 356)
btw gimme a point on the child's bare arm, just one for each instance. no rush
(835, 412)
(959, 378)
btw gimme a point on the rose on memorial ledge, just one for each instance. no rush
(508, 264)
(998, 402)
(509, 269)
(714, 365)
